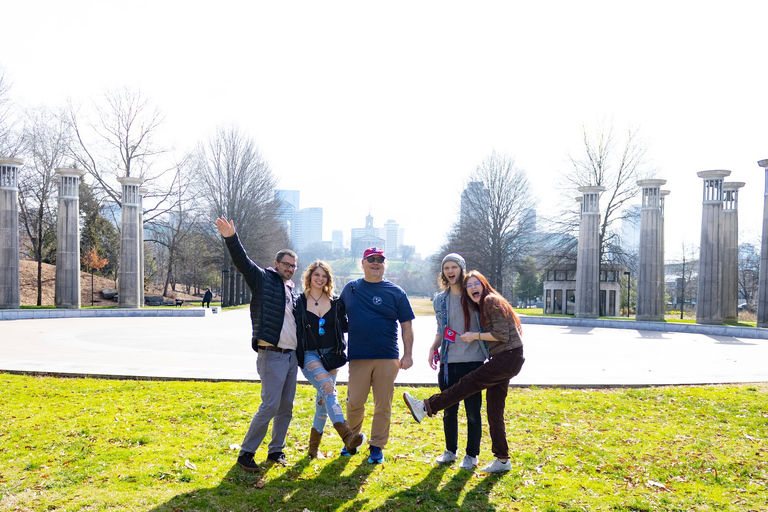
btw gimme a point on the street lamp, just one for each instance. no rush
(629, 289)
(93, 269)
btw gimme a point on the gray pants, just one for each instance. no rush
(277, 372)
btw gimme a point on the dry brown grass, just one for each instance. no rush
(28, 282)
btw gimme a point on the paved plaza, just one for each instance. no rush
(218, 347)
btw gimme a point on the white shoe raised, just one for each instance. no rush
(468, 462)
(497, 466)
(417, 407)
(446, 458)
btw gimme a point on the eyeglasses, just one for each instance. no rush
(321, 329)
(377, 259)
(287, 265)
(474, 285)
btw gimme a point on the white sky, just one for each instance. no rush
(389, 106)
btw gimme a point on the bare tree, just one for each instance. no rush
(234, 180)
(10, 142)
(749, 274)
(614, 164)
(492, 232)
(46, 145)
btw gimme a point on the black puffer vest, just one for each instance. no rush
(267, 295)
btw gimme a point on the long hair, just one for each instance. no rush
(467, 303)
(307, 278)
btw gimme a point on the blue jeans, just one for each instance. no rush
(472, 405)
(327, 399)
(277, 373)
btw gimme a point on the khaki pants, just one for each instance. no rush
(379, 375)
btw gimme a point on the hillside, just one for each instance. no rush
(28, 281)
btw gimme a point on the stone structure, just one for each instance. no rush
(67, 288)
(762, 294)
(709, 300)
(662, 270)
(588, 256)
(130, 282)
(650, 280)
(560, 290)
(142, 193)
(730, 241)
(10, 293)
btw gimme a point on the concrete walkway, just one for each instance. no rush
(217, 347)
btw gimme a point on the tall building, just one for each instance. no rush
(304, 226)
(470, 198)
(337, 239)
(393, 236)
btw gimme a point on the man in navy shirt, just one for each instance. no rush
(375, 306)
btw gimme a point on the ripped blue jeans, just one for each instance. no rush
(327, 400)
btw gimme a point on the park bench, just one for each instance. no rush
(179, 302)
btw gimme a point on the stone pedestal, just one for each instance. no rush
(129, 278)
(67, 288)
(588, 257)
(731, 251)
(10, 294)
(762, 294)
(709, 299)
(649, 275)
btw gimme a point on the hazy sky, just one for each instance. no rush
(389, 106)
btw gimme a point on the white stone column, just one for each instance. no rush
(10, 292)
(709, 299)
(142, 192)
(649, 308)
(762, 294)
(662, 271)
(731, 251)
(67, 288)
(588, 257)
(128, 285)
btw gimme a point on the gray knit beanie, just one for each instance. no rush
(456, 258)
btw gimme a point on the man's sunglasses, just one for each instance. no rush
(377, 259)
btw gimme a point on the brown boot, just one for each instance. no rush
(351, 440)
(314, 443)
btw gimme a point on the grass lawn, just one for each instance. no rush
(86, 444)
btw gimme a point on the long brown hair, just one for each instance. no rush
(307, 278)
(467, 303)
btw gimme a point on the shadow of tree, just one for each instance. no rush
(296, 488)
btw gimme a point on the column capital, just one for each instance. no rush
(713, 174)
(733, 185)
(763, 163)
(130, 180)
(11, 161)
(651, 183)
(69, 171)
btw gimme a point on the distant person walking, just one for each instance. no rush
(322, 322)
(207, 298)
(501, 329)
(456, 359)
(374, 307)
(274, 339)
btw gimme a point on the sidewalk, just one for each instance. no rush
(217, 347)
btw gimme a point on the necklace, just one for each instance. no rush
(315, 299)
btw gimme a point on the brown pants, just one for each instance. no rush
(492, 376)
(379, 375)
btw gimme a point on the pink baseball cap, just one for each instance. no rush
(373, 251)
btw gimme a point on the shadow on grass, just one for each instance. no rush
(429, 494)
(295, 487)
(305, 486)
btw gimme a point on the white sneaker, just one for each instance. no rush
(446, 458)
(417, 407)
(468, 462)
(497, 466)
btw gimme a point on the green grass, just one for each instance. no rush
(86, 444)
